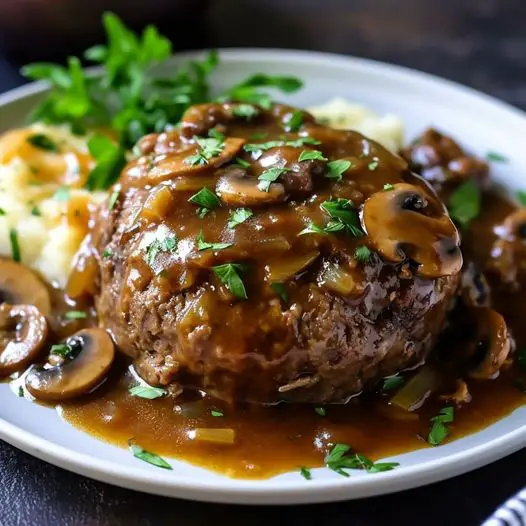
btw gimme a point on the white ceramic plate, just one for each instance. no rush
(481, 122)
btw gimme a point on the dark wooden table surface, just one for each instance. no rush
(479, 43)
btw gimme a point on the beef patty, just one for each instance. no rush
(261, 256)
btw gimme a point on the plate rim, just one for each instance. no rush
(244, 491)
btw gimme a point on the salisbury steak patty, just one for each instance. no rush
(313, 264)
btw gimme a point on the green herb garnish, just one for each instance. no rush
(42, 141)
(439, 430)
(208, 148)
(373, 165)
(294, 143)
(245, 111)
(148, 392)
(216, 413)
(312, 228)
(269, 176)
(147, 456)
(241, 163)
(321, 411)
(35, 211)
(238, 216)
(229, 275)
(337, 169)
(305, 473)
(280, 290)
(166, 244)
(307, 155)
(496, 157)
(464, 203)
(75, 315)
(107, 253)
(61, 349)
(294, 122)
(113, 199)
(15, 245)
(206, 199)
(110, 160)
(388, 186)
(344, 217)
(205, 245)
(362, 254)
(521, 196)
(20, 391)
(2, 212)
(341, 458)
(392, 382)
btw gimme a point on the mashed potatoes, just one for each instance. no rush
(43, 207)
(387, 129)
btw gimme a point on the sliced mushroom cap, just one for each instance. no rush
(407, 222)
(91, 355)
(492, 345)
(21, 286)
(23, 333)
(235, 188)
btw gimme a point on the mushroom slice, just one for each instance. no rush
(21, 286)
(91, 354)
(237, 189)
(493, 343)
(408, 222)
(23, 333)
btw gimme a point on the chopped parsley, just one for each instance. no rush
(35, 211)
(308, 155)
(167, 244)
(439, 430)
(113, 199)
(392, 382)
(110, 160)
(20, 391)
(362, 253)
(107, 253)
(15, 245)
(280, 290)
(205, 245)
(62, 194)
(62, 349)
(42, 141)
(147, 456)
(337, 169)
(294, 122)
(342, 458)
(148, 392)
(373, 165)
(241, 163)
(294, 143)
(229, 275)
(2, 212)
(521, 196)
(207, 149)
(75, 315)
(312, 228)
(388, 186)
(305, 473)
(496, 157)
(245, 111)
(343, 215)
(217, 413)
(464, 203)
(238, 216)
(206, 200)
(321, 411)
(269, 176)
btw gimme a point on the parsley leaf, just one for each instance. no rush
(75, 315)
(167, 244)
(229, 275)
(245, 111)
(238, 216)
(62, 349)
(114, 196)
(439, 430)
(392, 382)
(15, 245)
(337, 169)
(280, 290)
(205, 198)
(205, 245)
(110, 160)
(208, 148)
(147, 391)
(42, 141)
(241, 163)
(307, 155)
(321, 411)
(464, 203)
(496, 157)
(341, 458)
(388, 186)
(305, 473)
(216, 413)
(344, 216)
(257, 148)
(373, 165)
(294, 121)
(35, 211)
(362, 253)
(312, 228)
(269, 176)
(147, 456)
(521, 196)
(2, 212)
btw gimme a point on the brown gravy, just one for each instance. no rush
(273, 440)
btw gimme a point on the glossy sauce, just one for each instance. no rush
(273, 440)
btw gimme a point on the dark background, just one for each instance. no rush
(481, 43)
